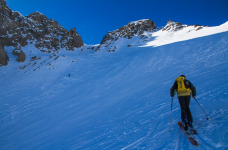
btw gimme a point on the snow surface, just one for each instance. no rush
(190, 32)
(116, 100)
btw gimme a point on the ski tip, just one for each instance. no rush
(193, 141)
(180, 123)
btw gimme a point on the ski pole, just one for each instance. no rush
(171, 114)
(202, 109)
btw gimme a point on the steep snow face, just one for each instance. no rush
(117, 100)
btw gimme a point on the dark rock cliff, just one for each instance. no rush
(46, 34)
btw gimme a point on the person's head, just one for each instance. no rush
(182, 76)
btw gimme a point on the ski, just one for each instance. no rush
(191, 139)
(193, 131)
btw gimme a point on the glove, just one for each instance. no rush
(172, 92)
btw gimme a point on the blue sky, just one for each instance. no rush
(94, 18)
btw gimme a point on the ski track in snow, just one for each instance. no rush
(115, 100)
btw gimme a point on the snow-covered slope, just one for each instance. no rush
(117, 100)
(186, 33)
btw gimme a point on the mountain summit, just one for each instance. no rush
(46, 34)
(135, 28)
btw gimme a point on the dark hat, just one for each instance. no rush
(182, 76)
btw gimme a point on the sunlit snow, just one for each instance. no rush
(189, 32)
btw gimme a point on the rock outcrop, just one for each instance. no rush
(21, 57)
(3, 56)
(172, 26)
(135, 28)
(17, 30)
(71, 39)
(131, 29)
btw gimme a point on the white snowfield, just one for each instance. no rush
(189, 32)
(117, 100)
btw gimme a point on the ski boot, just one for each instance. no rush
(186, 126)
(185, 122)
(190, 124)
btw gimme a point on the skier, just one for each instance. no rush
(184, 89)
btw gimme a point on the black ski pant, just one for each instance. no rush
(185, 110)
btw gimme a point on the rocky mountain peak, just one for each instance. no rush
(136, 28)
(73, 32)
(2, 2)
(37, 16)
(142, 25)
(46, 34)
(172, 26)
(37, 13)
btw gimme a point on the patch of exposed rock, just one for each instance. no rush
(3, 57)
(21, 57)
(17, 51)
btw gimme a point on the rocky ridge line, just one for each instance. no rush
(172, 26)
(135, 28)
